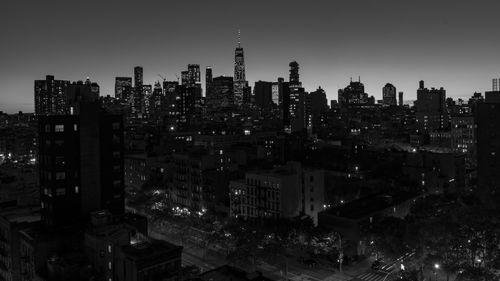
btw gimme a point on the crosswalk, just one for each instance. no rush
(371, 276)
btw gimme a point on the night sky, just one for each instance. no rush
(454, 44)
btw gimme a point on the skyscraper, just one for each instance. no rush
(297, 101)
(155, 100)
(294, 74)
(389, 95)
(316, 106)
(275, 95)
(208, 80)
(138, 77)
(78, 92)
(191, 77)
(222, 92)
(123, 88)
(239, 74)
(283, 89)
(169, 103)
(263, 94)
(136, 102)
(400, 101)
(50, 96)
(354, 95)
(431, 110)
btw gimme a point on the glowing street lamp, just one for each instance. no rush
(436, 267)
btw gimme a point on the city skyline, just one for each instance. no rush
(447, 44)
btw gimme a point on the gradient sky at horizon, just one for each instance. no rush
(450, 44)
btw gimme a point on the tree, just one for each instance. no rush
(386, 237)
(477, 274)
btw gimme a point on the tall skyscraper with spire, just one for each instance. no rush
(240, 83)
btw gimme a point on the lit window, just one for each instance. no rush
(109, 248)
(109, 265)
(59, 128)
(75, 127)
(77, 189)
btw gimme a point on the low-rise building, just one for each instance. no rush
(350, 219)
(149, 260)
(284, 192)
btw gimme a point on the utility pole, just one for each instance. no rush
(341, 253)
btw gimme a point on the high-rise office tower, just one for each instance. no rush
(123, 88)
(283, 89)
(389, 95)
(275, 95)
(297, 101)
(192, 76)
(222, 92)
(294, 75)
(138, 77)
(78, 92)
(154, 101)
(263, 94)
(354, 95)
(487, 119)
(169, 102)
(136, 102)
(297, 109)
(239, 74)
(147, 91)
(400, 99)
(316, 107)
(431, 110)
(50, 96)
(185, 104)
(81, 164)
(208, 80)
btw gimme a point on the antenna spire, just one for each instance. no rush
(239, 38)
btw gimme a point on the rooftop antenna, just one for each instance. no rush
(351, 79)
(359, 79)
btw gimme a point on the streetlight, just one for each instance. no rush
(436, 267)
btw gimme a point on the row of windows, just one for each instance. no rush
(60, 191)
(59, 128)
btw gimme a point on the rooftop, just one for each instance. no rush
(149, 249)
(364, 207)
(230, 273)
